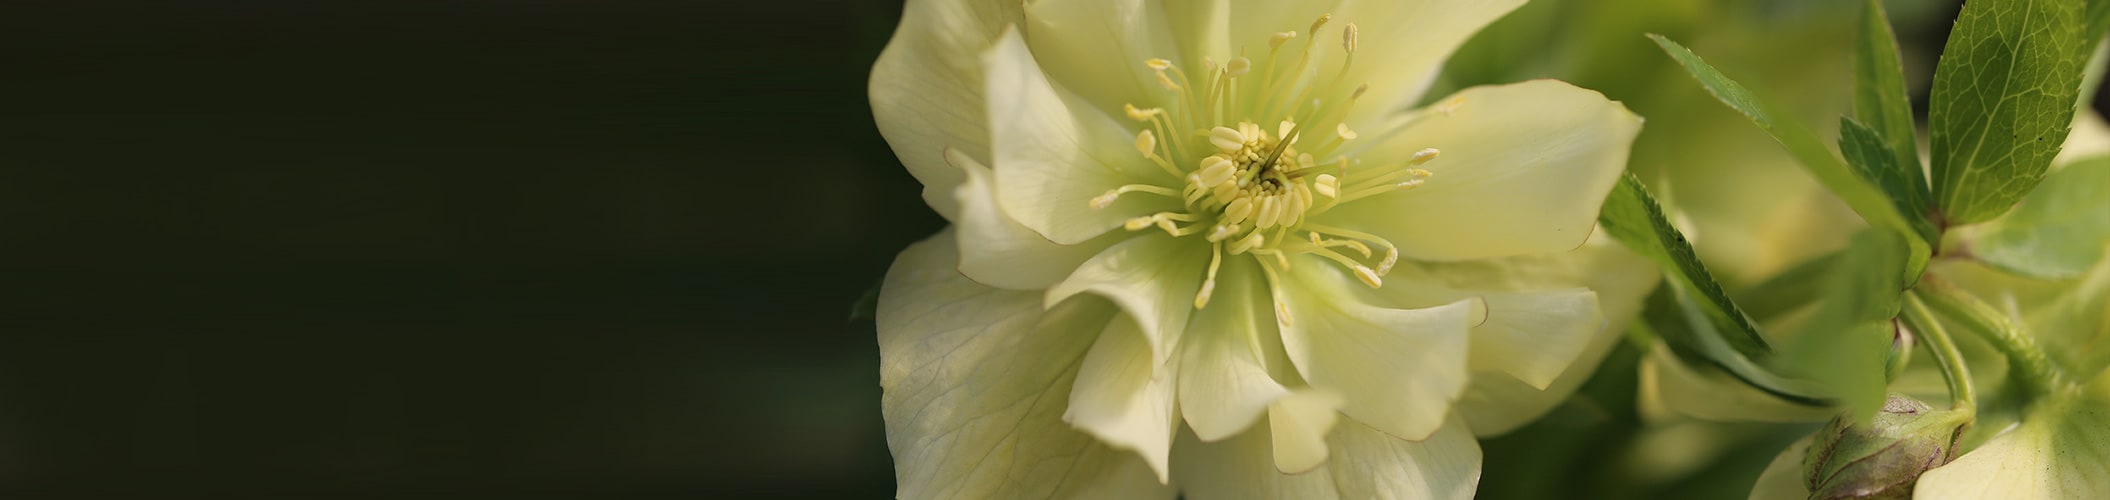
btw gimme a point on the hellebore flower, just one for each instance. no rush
(1216, 224)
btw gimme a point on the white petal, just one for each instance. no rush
(975, 379)
(1224, 384)
(1401, 45)
(1124, 397)
(1524, 168)
(1097, 48)
(1535, 336)
(1399, 369)
(2061, 450)
(1366, 464)
(1053, 155)
(1153, 277)
(996, 250)
(926, 88)
(1496, 403)
(1299, 424)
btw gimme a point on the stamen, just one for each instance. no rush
(1226, 139)
(1138, 114)
(1216, 259)
(1274, 286)
(1423, 156)
(1106, 200)
(1327, 185)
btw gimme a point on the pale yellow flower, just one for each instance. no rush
(1202, 246)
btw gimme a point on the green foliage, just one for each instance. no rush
(1691, 312)
(1860, 194)
(2002, 102)
(2058, 231)
(1881, 102)
(1852, 327)
(1873, 158)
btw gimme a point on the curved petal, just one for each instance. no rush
(926, 88)
(975, 380)
(1299, 423)
(1124, 397)
(2061, 450)
(1053, 155)
(1224, 385)
(1401, 45)
(1097, 48)
(1366, 464)
(1398, 369)
(1153, 277)
(1496, 403)
(996, 250)
(1523, 170)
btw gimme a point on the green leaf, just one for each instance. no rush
(2058, 231)
(1859, 194)
(2002, 102)
(1882, 102)
(1787, 290)
(1844, 345)
(1691, 312)
(1871, 157)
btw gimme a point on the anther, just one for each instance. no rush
(1147, 143)
(1345, 133)
(1105, 200)
(1139, 114)
(1157, 64)
(1275, 42)
(1226, 139)
(1138, 223)
(1238, 67)
(1348, 38)
(1359, 90)
(1423, 156)
(1369, 276)
(1323, 18)
(1391, 257)
(1327, 185)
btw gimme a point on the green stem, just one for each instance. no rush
(1961, 394)
(1975, 316)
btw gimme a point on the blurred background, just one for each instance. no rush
(610, 249)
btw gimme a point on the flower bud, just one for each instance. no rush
(1884, 457)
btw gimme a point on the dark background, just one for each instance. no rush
(442, 248)
(470, 248)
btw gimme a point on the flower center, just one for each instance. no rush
(1249, 191)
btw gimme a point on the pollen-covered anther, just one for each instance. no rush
(1227, 139)
(1141, 114)
(1158, 64)
(1369, 276)
(1105, 200)
(1238, 67)
(1348, 38)
(1146, 143)
(1423, 156)
(1327, 185)
(1343, 130)
(1275, 42)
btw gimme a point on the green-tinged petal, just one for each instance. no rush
(2058, 230)
(2061, 450)
(1523, 170)
(2074, 328)
(1783, 477)
(1224, 385)
(1365, 464)
(2090, 137)
(975, 379)
(1398, 369)
(996, 250)
(1408, 41)
(1299, 423)
(1496, 403)
(1124, 396)
(1534, 336)
(926, 88)
(1670, 387)
(1097, 48)
(1053, 155)
(1153, 277)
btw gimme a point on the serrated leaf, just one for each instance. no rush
(1691, 312)
(2058, 231)
(1881, 101)
(1873, 159)
(1845, 343)
(2002, 102)
(1863, 197)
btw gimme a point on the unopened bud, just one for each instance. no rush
(1884, 457)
